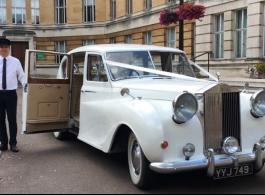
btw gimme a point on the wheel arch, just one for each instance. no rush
(120, 140)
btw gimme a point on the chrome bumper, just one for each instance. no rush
(257, 158)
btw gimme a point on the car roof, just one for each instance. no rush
(123, 47)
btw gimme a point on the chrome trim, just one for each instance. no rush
(219, 115)
(212, 161)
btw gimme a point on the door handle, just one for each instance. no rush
(88, 91)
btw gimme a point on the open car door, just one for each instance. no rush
(45, 106)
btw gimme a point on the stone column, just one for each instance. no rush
(229, 35)
(255, 30)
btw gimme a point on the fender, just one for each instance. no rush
(151, 121)
(249, 125)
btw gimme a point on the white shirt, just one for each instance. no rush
(14, 72)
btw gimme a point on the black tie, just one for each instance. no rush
(4, 75)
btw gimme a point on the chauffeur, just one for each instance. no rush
(10, 72)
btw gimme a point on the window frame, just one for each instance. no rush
(112, 40)
(60, 11)
(242, 51)
(113, 9)
(35, 12)
(58, 45)
(128, 39)
(148, 4)
(219, 30)
(129, 7)
(3, 11)
(169, 41)
(89, 42)
(89, 7)
(16, 9)
(148, 38)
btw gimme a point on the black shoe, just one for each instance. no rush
(3, 147)
(13, 148)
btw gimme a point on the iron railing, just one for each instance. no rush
(209, 53)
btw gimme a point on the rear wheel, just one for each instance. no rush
(142, 176)
(61, 135)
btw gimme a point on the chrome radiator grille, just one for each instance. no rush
(222, 119)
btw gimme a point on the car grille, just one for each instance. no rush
(221, 119)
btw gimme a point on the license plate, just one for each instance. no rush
(226, 172)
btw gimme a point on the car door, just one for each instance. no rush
(45, 106)
(96, 93)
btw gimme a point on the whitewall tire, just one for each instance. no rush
(142, 176)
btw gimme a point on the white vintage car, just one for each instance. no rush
(146, 101)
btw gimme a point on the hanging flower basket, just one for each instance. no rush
(190, 11)
(183, 12)
(168, 17)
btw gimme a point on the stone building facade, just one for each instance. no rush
(228, 39)
(61, 25)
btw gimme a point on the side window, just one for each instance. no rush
(42, 66)
(78, 63)
(95, 69)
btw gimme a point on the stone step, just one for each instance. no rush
(239, 82)
(229, 71)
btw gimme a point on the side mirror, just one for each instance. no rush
(125, 91)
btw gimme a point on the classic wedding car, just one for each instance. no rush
(146, 101)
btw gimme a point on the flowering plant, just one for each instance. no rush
(168, 17)
(260, 68)
(256, 70)
(190, 11)
(186, 11)
(251, 69)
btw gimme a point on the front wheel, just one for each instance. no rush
(142, 176)
(61, 135)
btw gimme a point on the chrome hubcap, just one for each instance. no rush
(136, 157)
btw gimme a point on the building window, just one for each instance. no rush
(129, 5)
(128, 39)
(241, 33)
(112, 40)
(18, 11)
(171, 1)
(219, 36)
(171, 37)
(148, 4)
(148, 38)
(35, 11)
(89, 42)
(112, 9)
(89, 11)
(2, 11)
(60, 46)
(60, 9)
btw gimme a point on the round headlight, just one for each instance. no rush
(185, 107)
(258, 104)
(230, 145)
(189, 150)
(262, 142)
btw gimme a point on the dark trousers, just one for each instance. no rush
(8, 107)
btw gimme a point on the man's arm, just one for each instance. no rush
(21, 74)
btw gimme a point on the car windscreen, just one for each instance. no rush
(172, 62)
(134, 58)
(160, 60)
